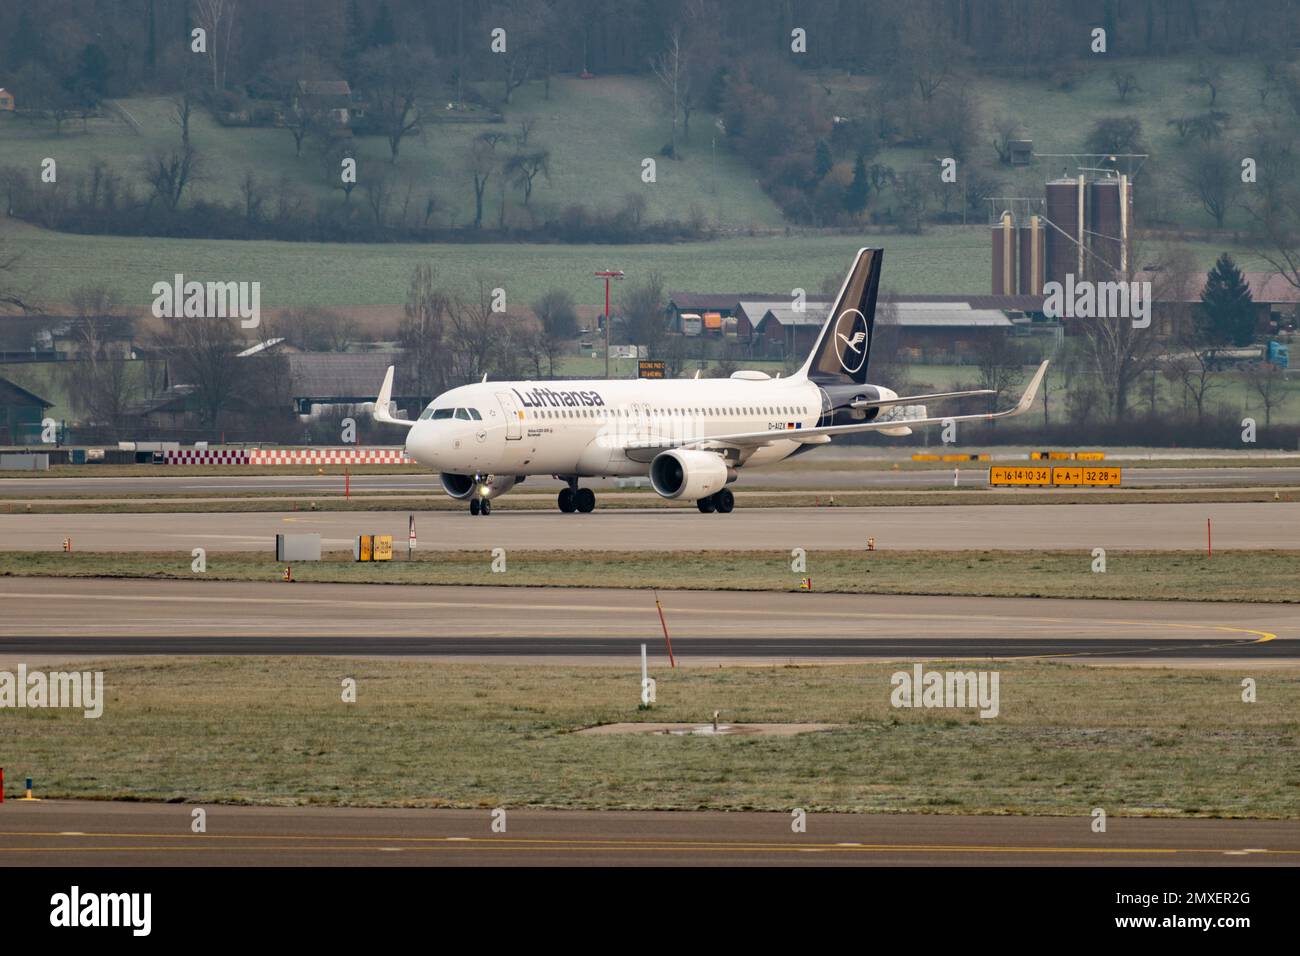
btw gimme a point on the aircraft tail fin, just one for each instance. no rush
(844, 345)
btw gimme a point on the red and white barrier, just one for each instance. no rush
(290, 456)
(328, 456)
(190, 456)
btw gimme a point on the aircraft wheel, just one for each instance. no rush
(724, 501)
(474, 505)
(485, 508)
(566, 502)
(705, 505)
(585, 500)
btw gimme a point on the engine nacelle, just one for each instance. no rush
(682, 473)
(464, 486)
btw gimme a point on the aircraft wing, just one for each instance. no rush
(810, 435)
(385, 401)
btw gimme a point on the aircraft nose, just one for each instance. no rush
(422, 443)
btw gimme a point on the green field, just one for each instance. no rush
(424, 733)
(1267, 576)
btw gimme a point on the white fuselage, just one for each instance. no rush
(594, 428)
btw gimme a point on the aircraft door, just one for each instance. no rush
(511, 409)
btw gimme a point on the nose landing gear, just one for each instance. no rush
(479, 505)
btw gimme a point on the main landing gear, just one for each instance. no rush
(721, 502)
(573, 498)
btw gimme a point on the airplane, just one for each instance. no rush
(692, 437)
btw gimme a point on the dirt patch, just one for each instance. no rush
(709, 729)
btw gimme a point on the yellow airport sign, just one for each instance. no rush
(1020, 475)
(374, 547)
(1101, 476)
(1085, 475)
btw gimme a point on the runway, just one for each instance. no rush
(83, 833)
(45, 617)
(803, 477)
(1246, 525)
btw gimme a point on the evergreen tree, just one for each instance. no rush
(26, 44)
(823, 161)
(855, 200)
(382, 31)
(1227, 313)
(91, 81)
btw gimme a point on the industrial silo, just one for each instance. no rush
(1064, 198)
(1103, 229)
(1029, 238)
(1002, 237)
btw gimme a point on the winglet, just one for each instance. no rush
(385, 401)
(1031, 392)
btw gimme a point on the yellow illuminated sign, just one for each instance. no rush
(1020, 475)
(1101, 476)
(383, 547)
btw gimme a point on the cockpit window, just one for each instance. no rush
(463, 414)
(473, 413)
(443, 413)
(426, 414)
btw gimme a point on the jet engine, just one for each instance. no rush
(462, 487)
(681, 473)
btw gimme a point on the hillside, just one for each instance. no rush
(598, 132)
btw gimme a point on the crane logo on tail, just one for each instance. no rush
(851, 340)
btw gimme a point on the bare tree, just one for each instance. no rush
(523, 22)
(379, 195)
(203, 351)
(1211, 175)
(395, 78)
(524, 168)
(670, 69)
(1275, 237)
(99, 380)
(182, 109)
(1210, 76)
(1005, 129)
(217, 18)
(482, 161)
(13, 297)
(1192, 366)
(422, 334)
(170, 172)
(1268, 381)
(1119, 352)
(254, 194)
(1125, 83)
(474, 334)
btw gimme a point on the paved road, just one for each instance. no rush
(929, 527)
(76, 833)
(803, 477)
(132, 616)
